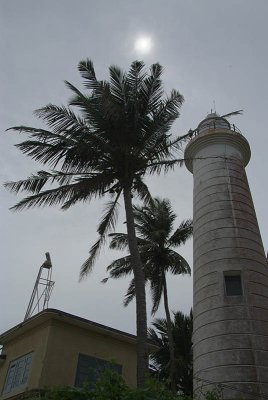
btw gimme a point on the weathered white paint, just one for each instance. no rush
(230, 336)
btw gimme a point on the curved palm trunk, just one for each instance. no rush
(172, 371)
(141, 317)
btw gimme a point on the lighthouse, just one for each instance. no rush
(230, 272)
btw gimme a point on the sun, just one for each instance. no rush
(143, 44)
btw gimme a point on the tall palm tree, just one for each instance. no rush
(154, 225)
(119, 136)
(182, 329)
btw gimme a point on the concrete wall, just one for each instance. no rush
(230, 332)
(35, 340)
(67, 341)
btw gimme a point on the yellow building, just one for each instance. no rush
(54, 348)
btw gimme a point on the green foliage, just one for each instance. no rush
(111, 386)
(105, 140)
(214, 394)
(182, 328)
(154, 224)
(65, 393)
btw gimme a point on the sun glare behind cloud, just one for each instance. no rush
(143, 44)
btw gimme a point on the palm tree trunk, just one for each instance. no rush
(141, 316)
(170, 339)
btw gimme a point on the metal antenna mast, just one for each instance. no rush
(42, 289)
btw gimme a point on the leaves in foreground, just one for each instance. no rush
(111, 386)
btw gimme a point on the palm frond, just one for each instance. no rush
(177, 264)
(182, 333)
(156, 287)
(167, 112)
(155, 142)
(175, 145)
(90, 187)
(119, 241)
(41, 134)
(77, 93)
(169, 149)
(52, 197)
(130, 294)
(79, 154)
(107, 222)
(82, 101)
(87, 71)
(63, 120)
(89, 263)
(73, 188)
(165, 165)
(152, 335)
(45, 152)
(33, 184)
(183, 233)
(152, 89)
(161, 325)
(45, 146)
(238, 112)
(142, 190)
(109, 218)
(154, 223)
(120, 268)
(135, 76)
(117, 85)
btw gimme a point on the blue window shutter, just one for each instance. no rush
(89, 369)
(18, 373)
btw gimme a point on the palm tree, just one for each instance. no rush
(182, 328)
(154, 224)
(119, 136)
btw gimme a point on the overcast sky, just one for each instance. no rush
(212, 51)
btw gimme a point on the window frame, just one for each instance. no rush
(18, 373)
(96, 366)
(230, 274)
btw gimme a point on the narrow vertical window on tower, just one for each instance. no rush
(233, 283)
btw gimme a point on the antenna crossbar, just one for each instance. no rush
(42, 289)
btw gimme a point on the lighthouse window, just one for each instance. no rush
(233, 285)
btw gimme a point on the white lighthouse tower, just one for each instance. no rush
(230, 272)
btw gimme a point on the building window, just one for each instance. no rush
(233, 284)
(18, 373)
(90, 368)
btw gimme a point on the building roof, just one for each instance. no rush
(58, 315)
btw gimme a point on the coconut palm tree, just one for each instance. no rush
(154, 224)
(119, 135)
(182, 328)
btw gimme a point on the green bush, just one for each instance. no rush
(111, 386)
(214, 394)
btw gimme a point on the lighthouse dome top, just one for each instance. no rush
(215, 132)
(213, 121)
